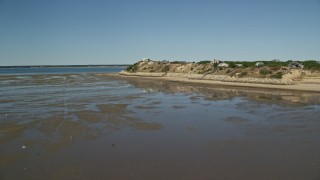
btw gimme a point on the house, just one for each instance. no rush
(239, 65)
(259, 64)
(150, 62)
(223, 65)
(145, 59)
(164, 61)
(295, 65)
(215, 61)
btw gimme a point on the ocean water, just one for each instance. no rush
(89, 125)
(60, 70)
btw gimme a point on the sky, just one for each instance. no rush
(77, 32)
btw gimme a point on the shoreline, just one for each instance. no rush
(308, 85)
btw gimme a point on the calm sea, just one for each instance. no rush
(84, 123)
(61, 70)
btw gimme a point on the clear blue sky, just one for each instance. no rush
(50, 32)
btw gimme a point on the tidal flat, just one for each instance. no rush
(91, 126)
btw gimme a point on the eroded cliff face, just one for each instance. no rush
(175, 67)
(211, 71)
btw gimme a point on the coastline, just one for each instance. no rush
(310, 85)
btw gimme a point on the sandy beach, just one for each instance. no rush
(311, 85)
(303, 86)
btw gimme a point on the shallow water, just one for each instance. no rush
(89, 126)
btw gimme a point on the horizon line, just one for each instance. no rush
(77, 65)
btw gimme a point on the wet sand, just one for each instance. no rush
(110, 127)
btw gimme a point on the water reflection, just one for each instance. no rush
(41, 115)
(212, 92)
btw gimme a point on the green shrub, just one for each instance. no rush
(166, 68)
(276, 68)
(176, 62)
(265, 72)
(132, 68)
(311, 64)
(129, 68)
(247, 64)
(276, 76)
(203, 62)
(232, 64)
(275, 63)
(243, 74)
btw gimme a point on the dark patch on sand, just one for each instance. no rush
(178, 107)
(155, 103)
(112, 108)
(236, 120)
(145, 107)
(118, 122)
(150, 126)
(11, 130)
(7, 100)
(190, 129)
(65, 132)
(89, 116)
(284, 128)
(10, 158)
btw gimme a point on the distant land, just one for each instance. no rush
(65, 66)
(296, 75)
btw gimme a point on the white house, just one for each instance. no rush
(215, 61)
(223, 65)
(259, 64)
(145, 59)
